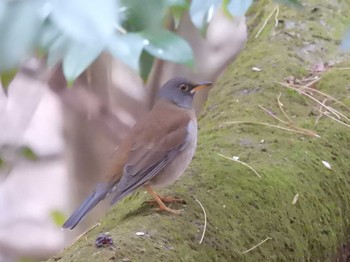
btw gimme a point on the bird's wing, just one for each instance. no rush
(89, 203)
(150, 153)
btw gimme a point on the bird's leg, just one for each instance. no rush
(169, 199)
(166, 199)
(159, 200)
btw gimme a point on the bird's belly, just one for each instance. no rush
(177, 167)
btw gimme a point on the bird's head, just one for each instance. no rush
(181, 91)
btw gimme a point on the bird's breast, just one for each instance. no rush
(177, 167)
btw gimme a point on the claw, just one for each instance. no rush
(160, 201)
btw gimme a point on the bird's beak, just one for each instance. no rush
(201, 86)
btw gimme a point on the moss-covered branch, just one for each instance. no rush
(242, 209)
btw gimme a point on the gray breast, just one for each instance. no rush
(177, 167)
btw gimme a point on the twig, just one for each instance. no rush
(329, 108)
(83, 234)
(320, 114)
(308, 132)
(312, 82)
(326, 95)
(262, 242)
(331, 117)
(205, 220)
(276, 16)
(267, 19)
(281, 108)
(290, 123)
(332, 110)
(267, 111)
(238, 161)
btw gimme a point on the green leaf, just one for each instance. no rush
(54, 42)
(28, 153)
(6, 78)
(86, 21)
(168, 46)
(177, 12)
(225, 9)
(128, 48)
(57, 50)
(146, 63)
(238, 7)
(201, 12)
(19, 29)
(176, 3)
(141, 15)
(78, 58)
(58, 217)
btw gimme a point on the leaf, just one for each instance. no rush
(28, 153)
(168, 46)
(201, 12)
(19, 28)
(78, 58)
(57, 50)
(177, 12)
(58, 217)
(176, 2)
(86, 21)
(54, 42)
(128, 48)
(238, 7)
(146, 63)
(6, 78)
(224, 8)
(140, 16)
(2, 8)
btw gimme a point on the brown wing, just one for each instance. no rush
(153, 145)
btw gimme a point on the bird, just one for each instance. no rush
(154, 154)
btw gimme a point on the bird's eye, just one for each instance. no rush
(184, 87)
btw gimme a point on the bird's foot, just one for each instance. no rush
(161, 200)
(170, 210)
(166, 200)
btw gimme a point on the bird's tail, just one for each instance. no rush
(90, 202)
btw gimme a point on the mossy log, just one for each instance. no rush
(242, 209)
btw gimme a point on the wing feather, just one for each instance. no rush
(149, 153)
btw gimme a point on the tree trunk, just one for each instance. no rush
(243, 210)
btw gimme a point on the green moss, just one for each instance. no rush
(243, 209)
